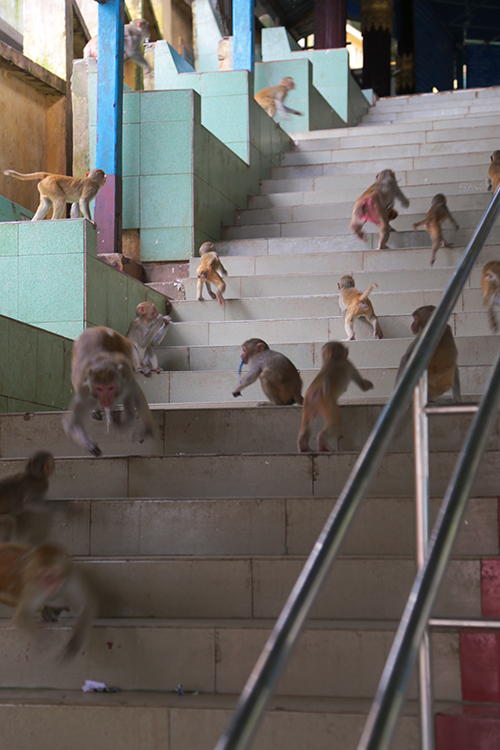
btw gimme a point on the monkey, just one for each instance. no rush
(490, 286)
(493, 179)
(355, 304)
(147, 330)
(224, 53)
(272, 98)
(443, 372)
(377, 205)
(280, 379)
(56, 190)
(208, 272)
(103, 368)
(436, 215)
(134, 34)
(24, 491)
(322, 395)
(34, 577)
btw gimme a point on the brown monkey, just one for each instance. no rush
(436, 215)
(377, 205)
(279, 377)
(322, 395)
(32, 578)
(355, 304)
(147, 330)
(103, 368)
(443, 372)
(490, 286)
(272, 98)
(56, 190)
(134, 34)
(208, 272)
(493, 180)
(24, 491)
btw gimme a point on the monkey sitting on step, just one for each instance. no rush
(279, 377)
(24, 491)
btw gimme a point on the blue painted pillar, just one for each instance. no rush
(108, 205)
(243, 35)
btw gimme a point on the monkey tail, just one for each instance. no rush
(31, 176)
(366, 294)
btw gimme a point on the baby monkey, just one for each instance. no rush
(272, 98)
(493, 180)
(436, 215)
(280, 379)
(24, 491)
(490, 286)
(56, 190)
(355, 304)
(208, 273)
(322, 395)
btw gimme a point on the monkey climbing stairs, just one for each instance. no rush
(193, 540)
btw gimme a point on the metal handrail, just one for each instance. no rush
(273, 657)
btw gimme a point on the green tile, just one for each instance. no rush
(96, 292)
(131, 150)
(21, 379)
(51, 290)
(4, 405)
(90, 235)
(50, 369)
(131, 107)
(173, 243)
(69, 329)
(201, 140)
(117, 308)
(65, 236)
(166, 201)
(261, 76)
(5, 367)
(166, 106)
(92, 146)
(9, 239)
(166, 148)
(224, 83)
(9, 287)
(234, 125)
(131, 202)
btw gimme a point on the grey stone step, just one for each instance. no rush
(139, 720)
(250, 527)
(459, 111)
(151, 654)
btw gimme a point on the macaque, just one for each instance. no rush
(490, 286)
(33, 578)
(436, 215)
(443, 370)
(355, 304)
(56, 190)
(208, 272)
(24, 491)
(102, 369)
(493, 180)
(377, 205)
(134, 34)
(279, 377)
(322, 395)
(224, 53)
(147, 330)
(272, 98)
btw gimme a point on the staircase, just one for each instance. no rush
(195, 539)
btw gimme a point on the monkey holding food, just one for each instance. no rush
(208, 272)
(322, 395)
(280, 379)
(147, 330)
(272, 99)
(493, 180)
(102, 369)
(355, 304)
(134, 34)
(56, 190)
(490, 286)
(40, 579)
(436, 215)
(377, 205)
(24, 491)
(443, 372)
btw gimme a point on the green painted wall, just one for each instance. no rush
(43, 386)
(10, 211)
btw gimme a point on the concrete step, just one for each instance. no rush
(458, 111)
(253, 528)
(233, 429)
(140, 720)
(152, 654)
